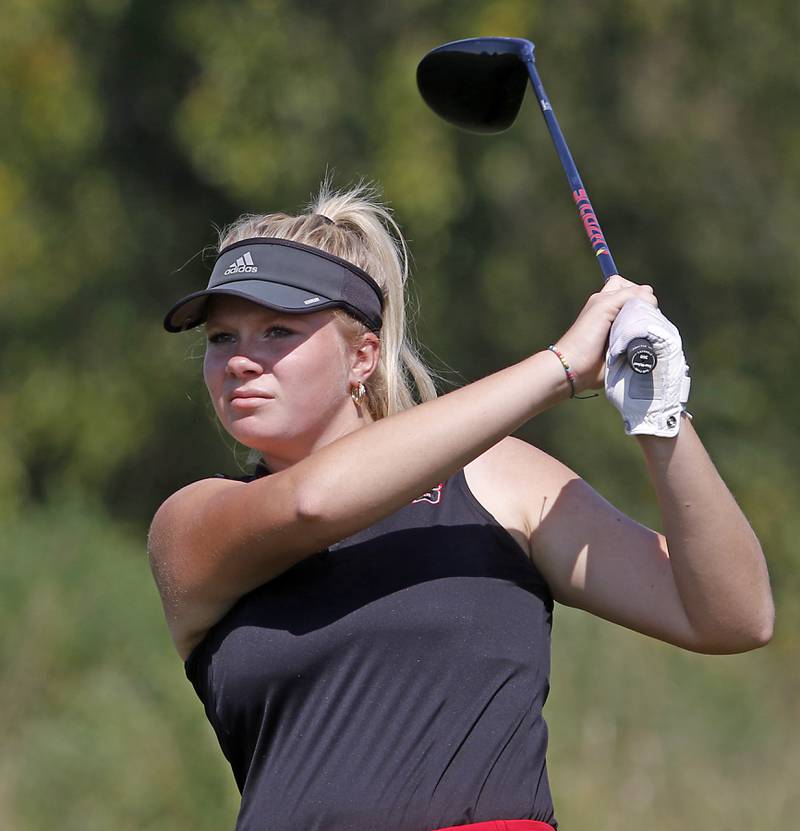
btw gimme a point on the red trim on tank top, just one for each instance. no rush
(502, 825)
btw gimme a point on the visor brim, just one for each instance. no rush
(192, 310)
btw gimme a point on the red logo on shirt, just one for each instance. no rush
(434, 495)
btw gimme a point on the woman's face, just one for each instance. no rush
(280, 383)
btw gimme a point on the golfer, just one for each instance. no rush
(366, 618)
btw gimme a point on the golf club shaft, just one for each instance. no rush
(641, 355)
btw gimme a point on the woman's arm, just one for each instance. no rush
(219, 539)
(719, 568)
(702, 586)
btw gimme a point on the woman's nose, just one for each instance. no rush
(242, 365)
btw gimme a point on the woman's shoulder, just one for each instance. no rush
(516, 481)
(208, 485)
(512, 462)
(187, 498)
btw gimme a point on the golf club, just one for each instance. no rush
(478, 84)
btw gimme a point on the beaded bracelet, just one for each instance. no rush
(570, 373)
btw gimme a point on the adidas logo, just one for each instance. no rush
(243, 265)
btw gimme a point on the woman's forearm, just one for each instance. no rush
(717, 562)
(373, 471)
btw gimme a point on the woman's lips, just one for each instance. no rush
(248, 399)
(249, 403)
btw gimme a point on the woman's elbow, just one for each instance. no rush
(767, 628)
(743, 638)
(764, 625)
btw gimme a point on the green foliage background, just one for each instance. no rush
(132, 127)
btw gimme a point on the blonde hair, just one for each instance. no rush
(357, 226)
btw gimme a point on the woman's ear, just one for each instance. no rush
(365, 356)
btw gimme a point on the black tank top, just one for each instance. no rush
(394, 681)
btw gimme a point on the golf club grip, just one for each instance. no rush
(641, 356)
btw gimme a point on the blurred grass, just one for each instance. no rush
(644, 735)
(102, 730)
(100, 727)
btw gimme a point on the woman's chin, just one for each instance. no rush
(256, 437)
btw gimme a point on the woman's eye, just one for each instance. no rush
(277, 332)
(220, 337)
(271, 333)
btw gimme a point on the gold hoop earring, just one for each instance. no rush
(358, 393)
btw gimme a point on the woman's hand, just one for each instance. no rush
(584, 343)
(650, 405)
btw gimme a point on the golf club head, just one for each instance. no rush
(477, 84)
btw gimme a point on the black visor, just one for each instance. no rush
(286, 276)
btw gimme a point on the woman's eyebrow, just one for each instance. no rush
(234, 318)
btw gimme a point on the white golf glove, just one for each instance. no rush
(649, 404)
